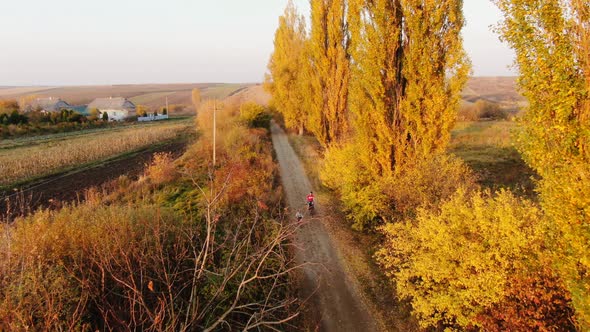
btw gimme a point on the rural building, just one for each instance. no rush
(49, 104)
(117, 108)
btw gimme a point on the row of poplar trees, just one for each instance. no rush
(378, 83)
(389, 72)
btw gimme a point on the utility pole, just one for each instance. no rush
(214, 128)
(167, 110)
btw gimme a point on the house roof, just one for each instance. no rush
(117, 103)
(49, 104)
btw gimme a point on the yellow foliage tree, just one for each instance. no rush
(141, 110)
(435, 70)
(377, 87)
(196, 98)
(9, 106)
(329, 70)
(286, 81)
(552, 44)
(408, 68)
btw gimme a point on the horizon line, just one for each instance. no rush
(4, 86)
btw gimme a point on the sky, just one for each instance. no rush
(84, 42)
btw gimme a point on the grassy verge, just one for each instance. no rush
(486, 146)
(357, 248)
(28, 163)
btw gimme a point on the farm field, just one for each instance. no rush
(150, 95)
(30, 158)
(29, 140)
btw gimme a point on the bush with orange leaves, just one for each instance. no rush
(162, 169)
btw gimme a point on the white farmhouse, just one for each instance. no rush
(117, 108)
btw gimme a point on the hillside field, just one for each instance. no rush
(502, 90)
(151, 95)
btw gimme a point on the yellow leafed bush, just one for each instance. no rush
(162, 169)
(344, 170)
(421, 183)
(427, 183)
(455, 263)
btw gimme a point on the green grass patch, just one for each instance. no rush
(486, 146)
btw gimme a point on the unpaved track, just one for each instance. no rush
(333, 296)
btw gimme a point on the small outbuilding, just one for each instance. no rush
(118, 108)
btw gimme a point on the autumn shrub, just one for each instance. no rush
(467, 112)
(537, 301)
(426, 183)
(362, 196)
(61, 265)
(245, 168)
(422, 183)
(461, 266)
(255, 115)
(162, 169)
(482, 110)
(108, 267)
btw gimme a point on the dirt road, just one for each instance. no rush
(334, 298)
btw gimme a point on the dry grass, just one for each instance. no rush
(28, 162)
(483, 133)
(150, 98)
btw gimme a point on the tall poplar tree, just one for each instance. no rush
(377, 85)
(551, 39)
(409, 69)
(286, 81)
(435, 70)
(329, 70)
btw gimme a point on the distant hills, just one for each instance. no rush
(501, 90)
(150, 95)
